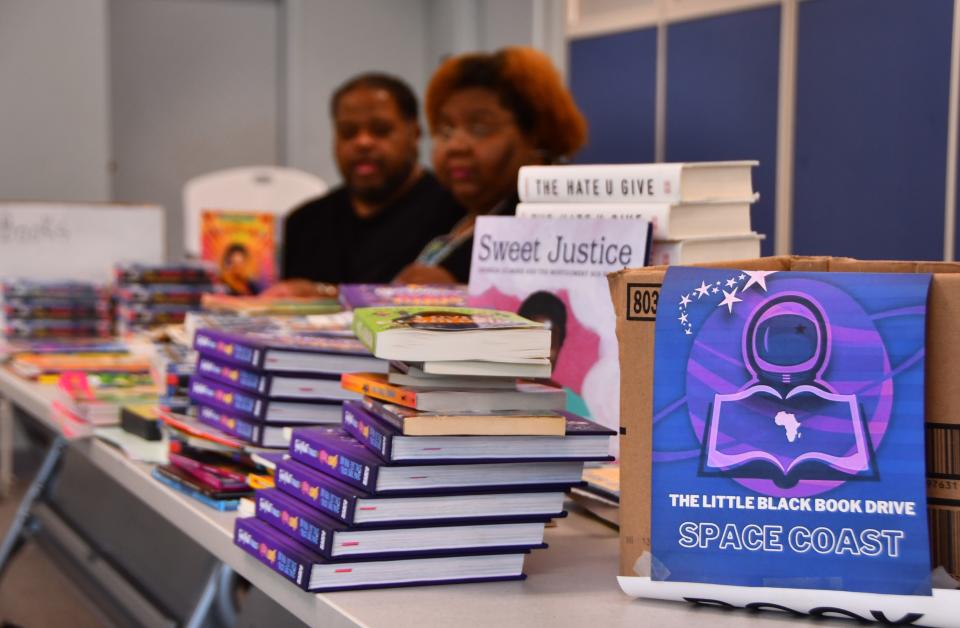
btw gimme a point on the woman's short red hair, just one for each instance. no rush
(527, 84)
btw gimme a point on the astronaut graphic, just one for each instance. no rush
(787, 423)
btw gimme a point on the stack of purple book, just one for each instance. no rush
(397, 497)
(343, 515)
(257, 386)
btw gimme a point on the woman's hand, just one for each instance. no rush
(420, 273)
(293, 288)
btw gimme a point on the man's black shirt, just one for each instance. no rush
(324, 240)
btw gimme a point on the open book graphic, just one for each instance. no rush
(807, 424)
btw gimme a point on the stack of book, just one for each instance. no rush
(700, 212)
(209, 467)
(40, 310)
(257, 386)
(97, 398)
(148, 296)
(430, 479)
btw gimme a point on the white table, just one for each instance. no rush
(573, 583)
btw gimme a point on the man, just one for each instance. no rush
(387, 209)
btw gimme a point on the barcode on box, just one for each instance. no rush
(642, 301)
(943, 450)
(945, 538)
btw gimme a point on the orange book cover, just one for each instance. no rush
(243, 247)
(376, 385)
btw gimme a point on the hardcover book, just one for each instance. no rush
(336, 453)
(312, 572)
(411, 422)
(662, 183)
(359, 508)
(585, 440)
(670, 221)
(423, 333)
(273, 385)
(287, 352)
(528, 396)
(705, 249)
(253, 432)
(334, 539)
(256, 408)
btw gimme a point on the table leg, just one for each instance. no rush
(6, 447)
(34, 492)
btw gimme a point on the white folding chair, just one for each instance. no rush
(255, 188)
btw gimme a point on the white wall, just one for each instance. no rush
(54, 107)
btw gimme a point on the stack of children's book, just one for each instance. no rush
(148, 296)
(214, 469)
(700, 211)
(97, 398)
(257, 386)
(62, 311)
(431, 478)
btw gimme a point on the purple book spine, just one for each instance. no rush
(238, 428)
(259, 540)
(310, 487)
(296, 520)
(226, 398)
(360, 424)
(210, 342)
(232, 375)
(329, 458)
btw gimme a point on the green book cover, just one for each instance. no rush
(369, 322)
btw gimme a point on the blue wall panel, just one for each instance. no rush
(872, 89)
(722, 77)
(612, 78)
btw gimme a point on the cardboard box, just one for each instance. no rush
(635, 293)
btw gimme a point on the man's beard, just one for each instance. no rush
(391, 184)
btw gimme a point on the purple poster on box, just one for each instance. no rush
(788, 430)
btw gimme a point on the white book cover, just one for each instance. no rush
(658, 183)
(555, 272)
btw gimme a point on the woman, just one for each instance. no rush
(490, 114)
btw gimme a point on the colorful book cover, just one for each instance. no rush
(369, 322)
(333, 451)
(354, 295)
(238, 427)
(555, 272)
(326, 494)
(297, 520)
(242, 245)
(275, 551)
(227, 399)
(788, 437)
(167, 294)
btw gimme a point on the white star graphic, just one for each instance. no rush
(758, 277)
(703, 290)
(731, 282)
(729, 298)
(718, 282)
(685, 300)
(683, 318)
(742, 277)
(687, 331)
(715, 289)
